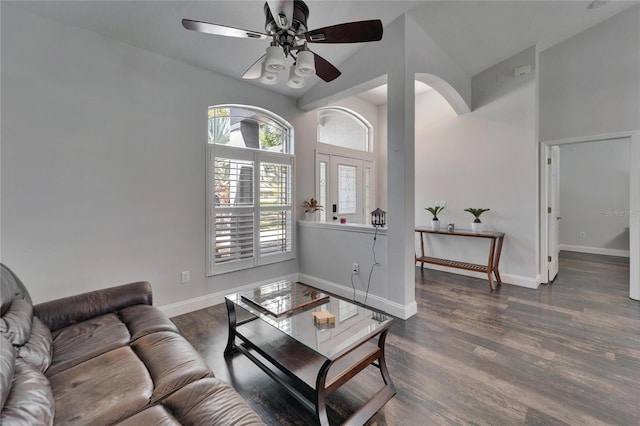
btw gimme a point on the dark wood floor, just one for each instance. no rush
(567, 353)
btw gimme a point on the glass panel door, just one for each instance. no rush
(348, 191)
(346, 183)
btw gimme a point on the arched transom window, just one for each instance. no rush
(344, 128)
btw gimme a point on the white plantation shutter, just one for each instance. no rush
(275, 232)
(233, 237)
(275, 206)
(250, 206)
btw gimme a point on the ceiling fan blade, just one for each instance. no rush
(324, 69)
(222, 30)
(254, 70)
(350, 32)
(282, 12)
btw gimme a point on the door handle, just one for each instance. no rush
(559, 217)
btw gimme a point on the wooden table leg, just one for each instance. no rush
(383, 363)
(422, 250)
(496, 260)
(320, 402)
(387, 392)
(492, 250)
(231, 339)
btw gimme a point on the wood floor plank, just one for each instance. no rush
(565, 354)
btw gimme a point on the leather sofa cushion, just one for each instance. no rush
(156, 415)
(210, 401)
(103, 390)
(171, 360)
(38, 350)
(75, 309)
(16, 308)
(15, 323)
(80, 342)
(30, 401)
(11, 288)
(145, 319)
(7, 367)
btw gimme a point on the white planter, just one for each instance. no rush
(310, 216)
(476, 226)
(435, 224)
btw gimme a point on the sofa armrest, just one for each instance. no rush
(60, 313)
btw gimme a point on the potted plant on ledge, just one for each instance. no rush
(476, 225)
(311, 206)
(435, 222)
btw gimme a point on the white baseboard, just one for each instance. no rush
(595, 250)
(392, 308)
(506, 278)
(201, 302)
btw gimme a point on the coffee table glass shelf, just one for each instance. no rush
(310, 360)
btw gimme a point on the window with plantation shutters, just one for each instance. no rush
(250, 179)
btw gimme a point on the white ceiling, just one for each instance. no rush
(378, 95)
(476, 34)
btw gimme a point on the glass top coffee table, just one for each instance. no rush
(310, 342)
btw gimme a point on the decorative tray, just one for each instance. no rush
(284, 297)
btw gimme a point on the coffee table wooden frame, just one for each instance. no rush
(308, 376)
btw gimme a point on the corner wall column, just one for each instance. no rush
(401, 184)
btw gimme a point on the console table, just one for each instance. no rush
(495, 248)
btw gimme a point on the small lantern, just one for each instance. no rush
(378, 217)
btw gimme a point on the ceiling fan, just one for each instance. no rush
(286, 27)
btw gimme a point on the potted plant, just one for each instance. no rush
(435, 222)
(311, 206)
(476, 225)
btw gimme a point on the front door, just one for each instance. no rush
(347, 184)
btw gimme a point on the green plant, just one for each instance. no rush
(435, 210)
(311, 205)
(476, 213)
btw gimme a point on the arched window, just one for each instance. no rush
(343, 127)
(345, 165)
(249, 187)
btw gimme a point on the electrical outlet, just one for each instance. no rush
(186, 277)
(583, 235)
(356, 269)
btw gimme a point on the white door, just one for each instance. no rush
(347, 184)
(553, 210)
(348, 190)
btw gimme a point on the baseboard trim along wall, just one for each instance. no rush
(595, 250)
(346, 292)
(201, 302)
(506, 278)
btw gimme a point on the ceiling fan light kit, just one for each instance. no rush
(305, 63)
(286, 25)
(295, 81)
(268, 77)
(275, 59)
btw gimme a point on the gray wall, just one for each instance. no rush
(103, 163)
(590, 84)
(485, 158)
(594, 197)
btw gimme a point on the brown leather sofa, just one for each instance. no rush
(102, 358)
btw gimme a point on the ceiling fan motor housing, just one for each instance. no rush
(299, 24)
